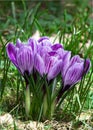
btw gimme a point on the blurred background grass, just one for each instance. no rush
(52, 15)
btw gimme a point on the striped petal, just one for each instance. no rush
(11, 52)
(73, 75)
(75, 59)
(55, 70)
(33, 43)
(25, 59)
(19, 43)
(39, 64)
(66, 62)
(87, 65)
(44, 41)
(56, 46)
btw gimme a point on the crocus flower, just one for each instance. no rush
(77, 68)
(47, 63)
(49, 66)
(72, 70)
(21, 56)
(54, 66)
(48, 60)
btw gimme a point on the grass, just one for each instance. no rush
(74, 29)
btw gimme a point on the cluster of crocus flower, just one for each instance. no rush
(48, 59)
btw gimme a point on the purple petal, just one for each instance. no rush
(11, 52)
(44, 41)
(75, 59)
(87, 65)
(33, 43)
(43, 50)
(43, 38)
(39, 64)
(66, 62)
(19, 43)
(73, 74)
(52, 53)
(55, 70)
(48, 63)
(61, 52)
(56, 46)
(25, 59)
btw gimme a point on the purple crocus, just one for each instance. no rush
(48, 65)
(22, 56)
(76, 68)
(47, 60)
